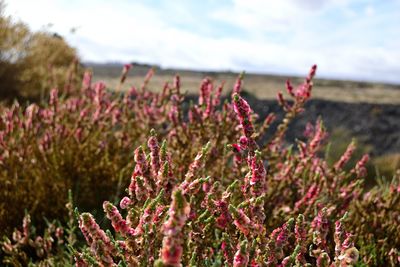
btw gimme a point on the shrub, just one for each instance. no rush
(387, 165)
(49, 249)
(204, 191)
(375, 217)
(31, 63)
(85, 143)
(234, 218)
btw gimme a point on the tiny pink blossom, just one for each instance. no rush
(125, 202)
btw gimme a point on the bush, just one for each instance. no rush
(205, 191)
(50, 249)
(32, 63)
(85, 143)
(387, 165)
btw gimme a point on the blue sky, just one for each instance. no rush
(348, 39)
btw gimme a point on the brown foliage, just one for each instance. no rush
(31, 62)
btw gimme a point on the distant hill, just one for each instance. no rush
(263, 86)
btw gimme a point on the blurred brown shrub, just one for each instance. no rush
(387, 165)
(32, 62)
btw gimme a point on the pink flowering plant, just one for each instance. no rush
(28, 246)
(84, 141)
(207, 186)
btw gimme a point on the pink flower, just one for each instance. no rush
(345, 157)
(282, 102)
(224, 218)
(238, 157)
(53, 97)
(46, 141)
(217, 97)
(127, 67)
(141, 168)
(87, 80)
(118, 223)
(30, 112)
(244, 142)
(195, 166)
(93, 233)
(177, 83)
(319, 136)
(154, 153)
(289, 88)
(241, 221)
(243, 110)
(309, 130)
(145, 218)
(205, 90)
(125, 71)
(125, 202)
(320, 225)
(171, 251)
(300, 232)
(258, 176)
(310, 196)
(241, 107)
(238, 84)
(360, 168)
(147, 79)
(241, 258)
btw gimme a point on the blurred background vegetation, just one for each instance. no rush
(31, 62)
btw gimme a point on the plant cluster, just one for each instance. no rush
(84, 141)
(49, 249)
(206, 189)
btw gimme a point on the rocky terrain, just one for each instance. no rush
(369, 112)
(373, 125)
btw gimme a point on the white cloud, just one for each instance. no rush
(285, 36)
(369, 10)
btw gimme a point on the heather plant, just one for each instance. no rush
(27, 246)
(209, 186)
(376, 216)
(84, 142)
(235, 219)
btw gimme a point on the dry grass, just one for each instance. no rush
(387, 165)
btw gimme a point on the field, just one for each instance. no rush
(261, 86)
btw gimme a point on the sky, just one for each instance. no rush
(347, 39)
